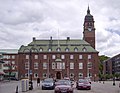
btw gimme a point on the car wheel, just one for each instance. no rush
(42, 88)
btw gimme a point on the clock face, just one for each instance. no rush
(89, 29)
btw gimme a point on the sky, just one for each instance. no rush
(21, 20)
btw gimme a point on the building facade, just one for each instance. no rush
(112, 65)
(10, 65)
(74, 58)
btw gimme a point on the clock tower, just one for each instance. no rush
(89, 29)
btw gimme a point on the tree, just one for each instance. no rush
(102, 58)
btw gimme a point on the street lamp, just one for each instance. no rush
(30, 67)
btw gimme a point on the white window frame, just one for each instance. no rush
(71, 75)
(71, 65)
(53, 65)
(44, 65)
(80, 75)
(71, 56)
(62, 56)
(80, 56)
(26, 65)
(53, 56)
(27, 57)
(44, 56)
(89, 65)
(89, 56)
(44, 75)
(35, 75)
(36, 65)
(80, 65)
(36, 56)
(13, 56)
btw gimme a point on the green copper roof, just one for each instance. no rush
(53, 45)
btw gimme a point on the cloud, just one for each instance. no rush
(20, 20)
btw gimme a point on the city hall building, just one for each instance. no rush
(74, 58)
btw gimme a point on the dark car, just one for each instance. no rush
(63, 86)
(48, 84)
(83, 84)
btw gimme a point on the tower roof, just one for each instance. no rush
(88, 17)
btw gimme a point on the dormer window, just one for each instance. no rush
(58, 49)
(84, 49)
(49, 49)
(67, 49)
(76, 49)
(41, 49)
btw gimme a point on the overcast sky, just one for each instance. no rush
(21, 20)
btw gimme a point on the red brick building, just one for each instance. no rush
(74, 58)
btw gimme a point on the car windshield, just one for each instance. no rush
(83, 81)
(64, 82)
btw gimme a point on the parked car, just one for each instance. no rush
(88, 79)
(63, 86)
(83, 84)
(48, 84)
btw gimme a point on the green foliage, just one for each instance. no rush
(101, 58)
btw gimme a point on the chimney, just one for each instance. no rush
(68, 38)
(34, 38)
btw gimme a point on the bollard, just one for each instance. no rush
(119, 85)
(103, 82)
(16, 89)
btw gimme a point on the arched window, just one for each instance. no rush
(49, 49)
(67, 49)
(84, 49)
(76, 49)
(58, 49)
(40, 49)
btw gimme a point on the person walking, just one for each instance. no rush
(38, 81)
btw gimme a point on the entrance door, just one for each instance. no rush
(58, 75)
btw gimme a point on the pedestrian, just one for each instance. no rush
(38, 81)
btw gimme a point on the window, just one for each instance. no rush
(44, 75)
(44, 65)
(89, 57)
(36, 56)
(58, 49)
(35, 75)
(84, 49)
(80, 75)
(62, 56)
(49, 49)
(27, 56)
(67, 49)
(26, 65)
(36, 65)
(80, 56)
(13, 57)
(89, 74)
(53, 65)
(71, 65)
(71, 56)
(44, 56)
(71, 75)
(63, 65)
(41, 49)
(89, 65)
(59, 65)
(13, 67)
(76, 49)
(53, 56)
(13, 62)
(80, 65)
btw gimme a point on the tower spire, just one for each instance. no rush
(88, 11)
